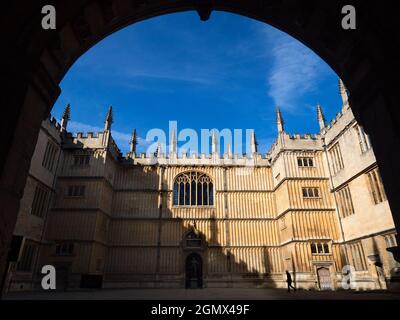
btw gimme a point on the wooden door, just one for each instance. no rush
(324, 278)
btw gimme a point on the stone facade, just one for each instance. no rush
(312, 205)
(34, 64)
(35, 204)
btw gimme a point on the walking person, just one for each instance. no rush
(289, 282)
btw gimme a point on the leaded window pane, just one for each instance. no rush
(193, 201)
(193, 189)
(313, 248)
(205, 194)
(187, 194)
(211, 194)
(181, 194)
(199, 195)
(176, 194)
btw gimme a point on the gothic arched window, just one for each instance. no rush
(193, 189)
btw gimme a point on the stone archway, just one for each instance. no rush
(34, 61)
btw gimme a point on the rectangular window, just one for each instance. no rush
(363, 138)
(81, 159)
(28, 257)
(345, 202)
(311, 193)
(376, 186)
(314, 248)
(305, 162)
(50, 156)
(336, 158)
(76, 191)
(319, 248)
(40, 201)
(64, 249)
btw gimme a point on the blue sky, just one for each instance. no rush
(229, 72)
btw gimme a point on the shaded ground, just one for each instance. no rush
(203, 294)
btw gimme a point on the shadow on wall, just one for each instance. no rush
(187, 251)
(191, 254)
(219, 265)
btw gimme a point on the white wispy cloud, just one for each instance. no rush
(295, 70)
(122, 138)
(175, 75)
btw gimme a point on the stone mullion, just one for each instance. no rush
(226, 220)
(160, 208)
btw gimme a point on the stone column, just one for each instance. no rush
(30, 96)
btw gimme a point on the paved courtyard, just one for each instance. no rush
(203, 294)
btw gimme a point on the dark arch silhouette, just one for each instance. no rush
(35, 60)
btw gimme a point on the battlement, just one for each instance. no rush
(306, 136)
(54, 122)
(200, 159)
(333, 122)
(89, 135)
(53, 127)
(144, 155)
(92, 140)
(286, 141)
(337, 125)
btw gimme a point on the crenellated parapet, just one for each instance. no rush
(52, 126)
(92, 140)
(333, 122)
(54, 123)
(256, 159)
(293, 142)
(340, 123)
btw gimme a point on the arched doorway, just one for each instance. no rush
(35, 61)
(194, 271)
